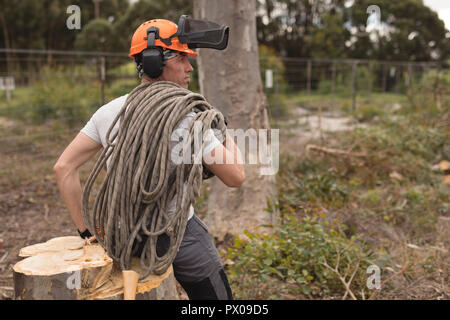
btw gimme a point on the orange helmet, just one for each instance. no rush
(167, 38)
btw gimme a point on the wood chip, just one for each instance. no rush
(4, 257)
(395, 175)
(6, 288)
(444, 165)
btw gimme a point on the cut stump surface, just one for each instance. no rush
(65, 269)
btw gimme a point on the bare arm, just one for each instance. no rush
(227, 164)
(78, 152)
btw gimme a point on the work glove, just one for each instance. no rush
(85, 234)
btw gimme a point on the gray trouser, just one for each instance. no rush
(197, 266)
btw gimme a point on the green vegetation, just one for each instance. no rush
(362, 209)
(303, 258)
(370, 205)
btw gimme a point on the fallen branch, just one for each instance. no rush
(372, 296)
(7, 288)
(4, 257)
(342, 278)
(345, 283)
(332, 151)
(46, 211)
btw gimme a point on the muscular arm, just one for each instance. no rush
(229, 172)
(78, 152)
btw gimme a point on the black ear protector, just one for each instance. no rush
(153, 57)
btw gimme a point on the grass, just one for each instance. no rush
(366, 209)
(343, 101)
(385, 206)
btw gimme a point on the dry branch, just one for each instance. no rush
(337, 152)
(372, 296)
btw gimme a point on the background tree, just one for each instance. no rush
(144, 10)
(230, 80)
(409, 30)
(97, 35)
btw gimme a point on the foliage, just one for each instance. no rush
(41, 24)
(59, 96)
(400, 19)
(330, 29)
(268, 59)
(328, 39)
(427, 92)
(97, 35)
(296, 254)
(320, 187)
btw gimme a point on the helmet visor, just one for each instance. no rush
(202, 33)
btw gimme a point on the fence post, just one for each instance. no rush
(370, 77)
(354, 76)
(436, 89)
(276, 79)
(384, 84)
(409, 76)
(102, 77)
(333, 76)
(308, 75)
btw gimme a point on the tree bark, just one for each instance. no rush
(7, 44)
(231, 81)
(66, 269)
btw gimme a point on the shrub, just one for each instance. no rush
(297, 254)
(58, 96)
(269, 59)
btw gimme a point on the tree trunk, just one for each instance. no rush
(66, 269)
(7, 44)
(231, 81)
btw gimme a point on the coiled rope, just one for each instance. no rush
(134, 196)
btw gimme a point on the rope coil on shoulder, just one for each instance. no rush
(134, 196)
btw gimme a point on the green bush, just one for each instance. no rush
(367, 112)
(58, 96)
(313, 181)
(269, 59)
(323, 187)
(343, 84)
(121, 87)
(296, 254)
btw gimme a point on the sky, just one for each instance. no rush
(442, 7)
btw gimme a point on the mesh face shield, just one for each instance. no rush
(202, 33)
(190, 33)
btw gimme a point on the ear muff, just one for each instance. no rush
(152, 57)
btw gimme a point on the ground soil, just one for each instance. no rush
(31, 210)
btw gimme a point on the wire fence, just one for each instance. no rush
(46, 93)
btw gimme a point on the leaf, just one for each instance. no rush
(300, 280)
(306, 290)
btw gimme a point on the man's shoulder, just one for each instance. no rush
(111, 108)
(115, 103)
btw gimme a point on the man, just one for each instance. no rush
(197, 265)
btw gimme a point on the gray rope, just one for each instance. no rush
(134, 196)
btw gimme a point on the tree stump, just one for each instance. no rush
(66, 269)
